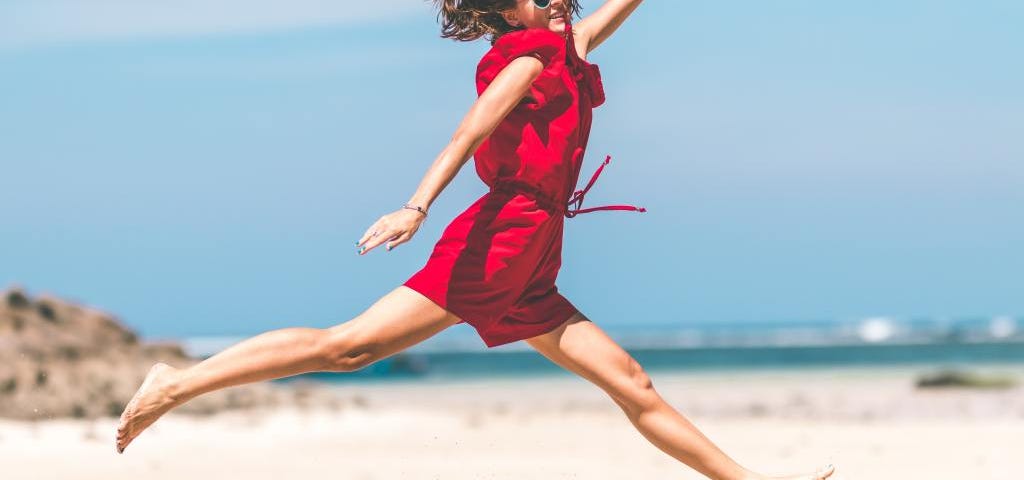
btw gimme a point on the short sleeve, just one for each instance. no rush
(538, 42)
(545, 45)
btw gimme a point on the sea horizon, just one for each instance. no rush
(869, 342)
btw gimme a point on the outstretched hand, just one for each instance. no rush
(395, 228)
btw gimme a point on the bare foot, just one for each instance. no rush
(147, 405)
(820, 474)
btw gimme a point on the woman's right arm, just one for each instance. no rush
(499, 98)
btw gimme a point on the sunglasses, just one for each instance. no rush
(542, 4)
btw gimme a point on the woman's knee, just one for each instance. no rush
(635, 390)
(347, 348)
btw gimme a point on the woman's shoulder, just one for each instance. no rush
(538, 42)
(529, 38)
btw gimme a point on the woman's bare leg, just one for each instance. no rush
(398, 320)
(583, 348)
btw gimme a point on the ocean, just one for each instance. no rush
(457, 353)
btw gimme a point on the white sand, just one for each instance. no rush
(871, 423)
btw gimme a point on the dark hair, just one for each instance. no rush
(467, 20)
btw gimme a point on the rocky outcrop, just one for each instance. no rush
(62, 359)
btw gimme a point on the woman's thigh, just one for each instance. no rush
(398, 320)
(582, 347)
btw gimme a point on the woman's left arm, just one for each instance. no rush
(598, 26)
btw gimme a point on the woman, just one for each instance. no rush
(496, 262)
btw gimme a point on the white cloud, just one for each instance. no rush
(29, 23)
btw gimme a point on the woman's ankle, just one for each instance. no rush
(175, 384)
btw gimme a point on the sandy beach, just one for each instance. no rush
(872, 423)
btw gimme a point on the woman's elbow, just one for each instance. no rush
(468, 138)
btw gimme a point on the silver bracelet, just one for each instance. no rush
(417, 208)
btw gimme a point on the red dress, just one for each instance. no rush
(495, 264)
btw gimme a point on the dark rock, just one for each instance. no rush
(46, 311)
(955, 378)
(69, 352)
(16, 299)
(115, 408)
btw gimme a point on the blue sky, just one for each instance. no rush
(206, 169)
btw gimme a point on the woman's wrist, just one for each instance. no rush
(418, 208)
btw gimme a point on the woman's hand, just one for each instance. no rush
(398, 227)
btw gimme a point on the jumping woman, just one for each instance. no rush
(494, 266)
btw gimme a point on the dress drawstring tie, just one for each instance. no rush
(577, 197)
